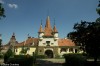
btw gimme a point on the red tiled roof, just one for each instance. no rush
(7, 45)
(29, 42)
(65, 42)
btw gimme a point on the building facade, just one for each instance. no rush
(48, 43)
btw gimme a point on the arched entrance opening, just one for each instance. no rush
(49, 53)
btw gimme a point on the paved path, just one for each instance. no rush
(50, 62)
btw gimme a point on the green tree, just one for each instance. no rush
(8, 55)
(24, 50)
(2, 11)
(0, 43)
(87, 35)
(98, 9)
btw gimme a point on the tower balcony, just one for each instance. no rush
(41, 39)
(56, 38)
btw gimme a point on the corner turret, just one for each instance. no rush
(12, 42)
(40, 32)
(55, 32)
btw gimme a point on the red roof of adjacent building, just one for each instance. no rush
(29, 42)
(65, 42)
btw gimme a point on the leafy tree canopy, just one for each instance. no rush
(1, 11)
(87, 35)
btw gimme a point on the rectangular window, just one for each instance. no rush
(28, 48)
(16, 50)
(48, 43)
(52, 43)
(43, 43)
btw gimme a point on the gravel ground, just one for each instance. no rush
(53, 60)
(50, 62)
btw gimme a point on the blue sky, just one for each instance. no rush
(24, 17)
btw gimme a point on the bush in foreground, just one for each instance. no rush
(21, 60)
(74, 60)
(41, 56)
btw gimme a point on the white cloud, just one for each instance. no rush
(1, 1)
(13, 6)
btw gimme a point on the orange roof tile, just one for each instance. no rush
(29, 42)
(65, 42)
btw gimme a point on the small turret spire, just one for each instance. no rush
(41, 21)
(41, 30)
(28, 36)
(54, 29)
(54, 21)
(13, 34)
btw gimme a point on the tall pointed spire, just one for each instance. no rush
(48, 23)
(48, 29)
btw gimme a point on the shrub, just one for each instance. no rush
(74, 60)
(24, 61)
(40, 56)
(19, 56)
(59, 57)
(7, 55)
(1, 55)
(23, 51)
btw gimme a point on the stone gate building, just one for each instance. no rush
(48, 43)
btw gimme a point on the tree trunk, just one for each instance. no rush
(95, 61)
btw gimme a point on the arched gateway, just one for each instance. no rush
(49, 53)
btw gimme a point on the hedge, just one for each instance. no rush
(74, 60)
(25, 61)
